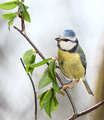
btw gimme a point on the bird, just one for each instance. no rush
(71, 58)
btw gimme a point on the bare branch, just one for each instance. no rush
(86, 111)
(35, 93)
(41, 55)
(22, 23)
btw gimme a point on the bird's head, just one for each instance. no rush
(67, 40)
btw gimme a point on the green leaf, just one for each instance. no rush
(46, 97)
(42, 95)
(54, 106)
(29, 57)
(45, 79)
(21, 8)
(62, 93)
(26, 16)
(51, 106)
(9, 16)
(9, 5)
(39, 64)
(26, 7)
(48, 108)
(28, 69)
(48, 101)
(10, 23)
(55, 100)
(52, 67)
(55, 86)
(54, 103)
(41, 98)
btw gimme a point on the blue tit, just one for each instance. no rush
(71, 58)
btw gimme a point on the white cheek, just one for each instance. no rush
(67, 45)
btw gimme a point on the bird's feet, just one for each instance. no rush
(70, 85)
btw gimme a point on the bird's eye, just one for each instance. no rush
(65, 40)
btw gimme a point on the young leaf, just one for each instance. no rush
(28, 58)
(9, 16)
(54, 106)
(55, 86)
(10, 23)
(48, 108)
(55, 100)
(45, 79)
(42, 95)
(9, 5)
(47, 97)
(40, 63)
(21, 8)
(52, 67)
(62, 93)
(51, 106)
(26, 16)
(28, 69)
(26, 7)
(48, 101)
(42, 105)
(41, 98)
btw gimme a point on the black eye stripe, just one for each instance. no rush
(67, 40)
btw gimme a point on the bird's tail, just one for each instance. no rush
(87, 86)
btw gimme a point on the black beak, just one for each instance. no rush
(57, 39)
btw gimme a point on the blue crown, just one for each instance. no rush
(68, 33)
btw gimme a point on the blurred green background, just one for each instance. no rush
(48, 20)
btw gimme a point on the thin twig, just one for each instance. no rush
(87, 111)
(35, 93)
(41, 55)
(22, 23)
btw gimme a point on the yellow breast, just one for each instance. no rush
(70, 65)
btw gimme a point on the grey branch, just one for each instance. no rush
(35, 93)
(86, 111)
